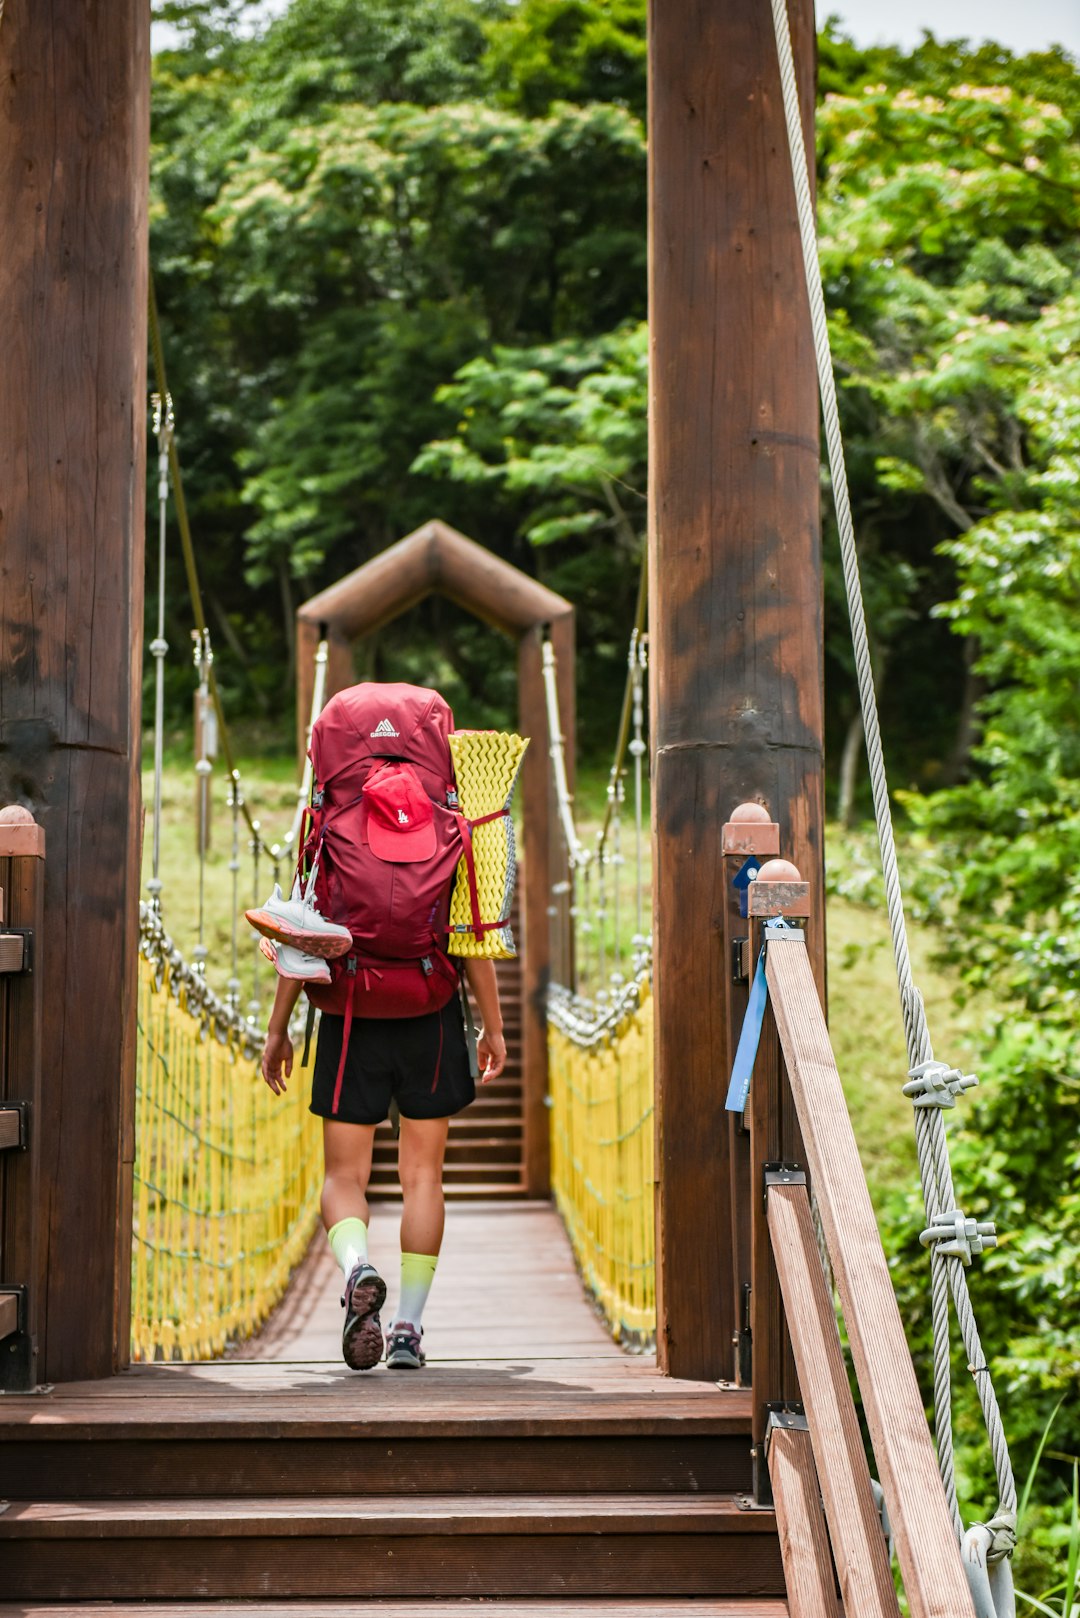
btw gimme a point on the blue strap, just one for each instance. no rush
(749, 1039)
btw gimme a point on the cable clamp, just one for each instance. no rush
(936, 1084)
(954, 1236)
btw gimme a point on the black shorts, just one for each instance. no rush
(422, 1063)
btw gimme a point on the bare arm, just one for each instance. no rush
(490, 1045)
(277, 1056)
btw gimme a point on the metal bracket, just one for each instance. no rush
(22, 1111)
(744, 1343)
(954, 1236)
(790, 1414)
(782, 1174)
(936, 1084)
(17, 1358)
(740, 960)
(27, 936)
(780, 928)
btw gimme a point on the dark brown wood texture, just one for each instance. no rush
(735, 584)
(934, 1581)
(23, 1232)
(531, 1456)
(74, 132)
(510, 1607)
(800, 1522)
(858, 1543)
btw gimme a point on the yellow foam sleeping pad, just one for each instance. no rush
(486, 765)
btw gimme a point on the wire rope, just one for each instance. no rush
(943, 1217)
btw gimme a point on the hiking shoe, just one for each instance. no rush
(362, 1338)
(296, 922)
(294, 963)
(403, 1351)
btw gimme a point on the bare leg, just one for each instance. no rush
(420, 1166)
(347, 1170)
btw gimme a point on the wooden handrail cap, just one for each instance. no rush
(750, 811)
(750, 831)
(20, 834)
(779, 871)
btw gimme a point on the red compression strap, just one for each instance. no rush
(345, 1032)
(482, 820)
(478, 927)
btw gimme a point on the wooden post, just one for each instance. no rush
(735, 587)
(74, 138)
(23, 1237)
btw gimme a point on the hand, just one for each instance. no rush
(277, 1055)
(491, 1055)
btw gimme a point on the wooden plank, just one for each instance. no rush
(934, 1580)
(741, 1563)
(804, 1538)
(509, 1607)
(23, 1232)
(227, 1517)
(74, 139)
(734, 583)
(10, 1128)
(9, 1314)
(859, 1548)
(119, 1468)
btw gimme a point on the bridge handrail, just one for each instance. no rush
(934, 1579)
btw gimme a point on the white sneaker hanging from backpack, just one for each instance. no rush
(295, 963)
(297, 924)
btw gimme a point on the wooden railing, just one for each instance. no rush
(22, 892)
(795, 1133)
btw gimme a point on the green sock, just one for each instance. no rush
(417, 1274)
(348, 1239)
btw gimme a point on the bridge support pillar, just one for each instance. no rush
(735, 589)
(74, 142)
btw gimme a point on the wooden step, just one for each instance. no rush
(496, 1545)
(483, 1148)
(534, 1607)
(178, 1467)
(388, 1190)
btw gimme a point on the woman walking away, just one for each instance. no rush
(366, 933)
(389, 1059)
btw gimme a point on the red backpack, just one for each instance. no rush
(383, 843)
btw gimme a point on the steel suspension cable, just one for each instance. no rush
(950, 1237)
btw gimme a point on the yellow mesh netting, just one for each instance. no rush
(486, 764)
(602, 1165)
(227, 1180)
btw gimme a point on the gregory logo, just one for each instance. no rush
(383, 728)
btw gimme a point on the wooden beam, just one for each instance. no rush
(800, 1522)
(74, 141)
(734, 584)
(9, 1314)
(934, 1580)
(23, 1230)
(858, 1543)
(435, 559)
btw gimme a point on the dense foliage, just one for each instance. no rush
(401, 267)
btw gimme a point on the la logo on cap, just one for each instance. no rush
(400, 818)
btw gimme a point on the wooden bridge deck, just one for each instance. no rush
(532, 1466)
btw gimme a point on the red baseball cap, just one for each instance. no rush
(400, 818)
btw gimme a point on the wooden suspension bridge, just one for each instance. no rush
(534, 1468)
